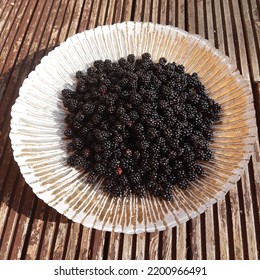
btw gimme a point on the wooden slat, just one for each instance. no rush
(4, 7)
(247, 198)
(140, 246)
(59, 16)
(66, 22)
(138, 11)
(229, 33)
(147, 6)
(163, 9)
(127, 247)
(181, 245)
(209, 17)
(6, 202)
(167, 244)
(73, 242)
(195, 223)
(221, 207)
(114, 243)
(36, 232)
(75, 18)
(181, 14)
(237, 235)
(102, 12)
(84, 253)
(223, 233)
(196, 239)
(98, 246)
(5, 11)
(154, 246)
(201, 18)
(256, 170)
(127, 10)
(94, 14)
(155, 11)
(10, 22)
(250, 41)
(18, 29)
(118, 11)
(255, 15)
(48, 235)
(219, 26)
(60, 238)
(18, 222)
(6, 152)
(249, 217)
(209, 234)
(241, 41)
(209, 230)
(191, 26)
(172, 13)
(110, 12)
(86, 9)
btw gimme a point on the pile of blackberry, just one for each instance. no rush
(144, 127)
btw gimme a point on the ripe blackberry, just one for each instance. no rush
(131, 58)
(77, 143)
(162, 61)
(77, 125)
(68, 132)
(146, 56)
(86, 152)
(67, 93)
(99, 64)
(88, 108)
(141, 125)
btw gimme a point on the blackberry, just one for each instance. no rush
(80, 162)
(72, 105)
(88, 108)
(96, 118)
(86, 152)
(131, 58)
(122, 62)
(68, 132)
(99, 64)
(162, 61)
(77, 125)
(79, 117)
(142, 126)
(146, 56)
(67, 93)
(77, 143)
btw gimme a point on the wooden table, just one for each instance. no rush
(29, 229)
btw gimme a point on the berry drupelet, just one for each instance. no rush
(143, 126)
